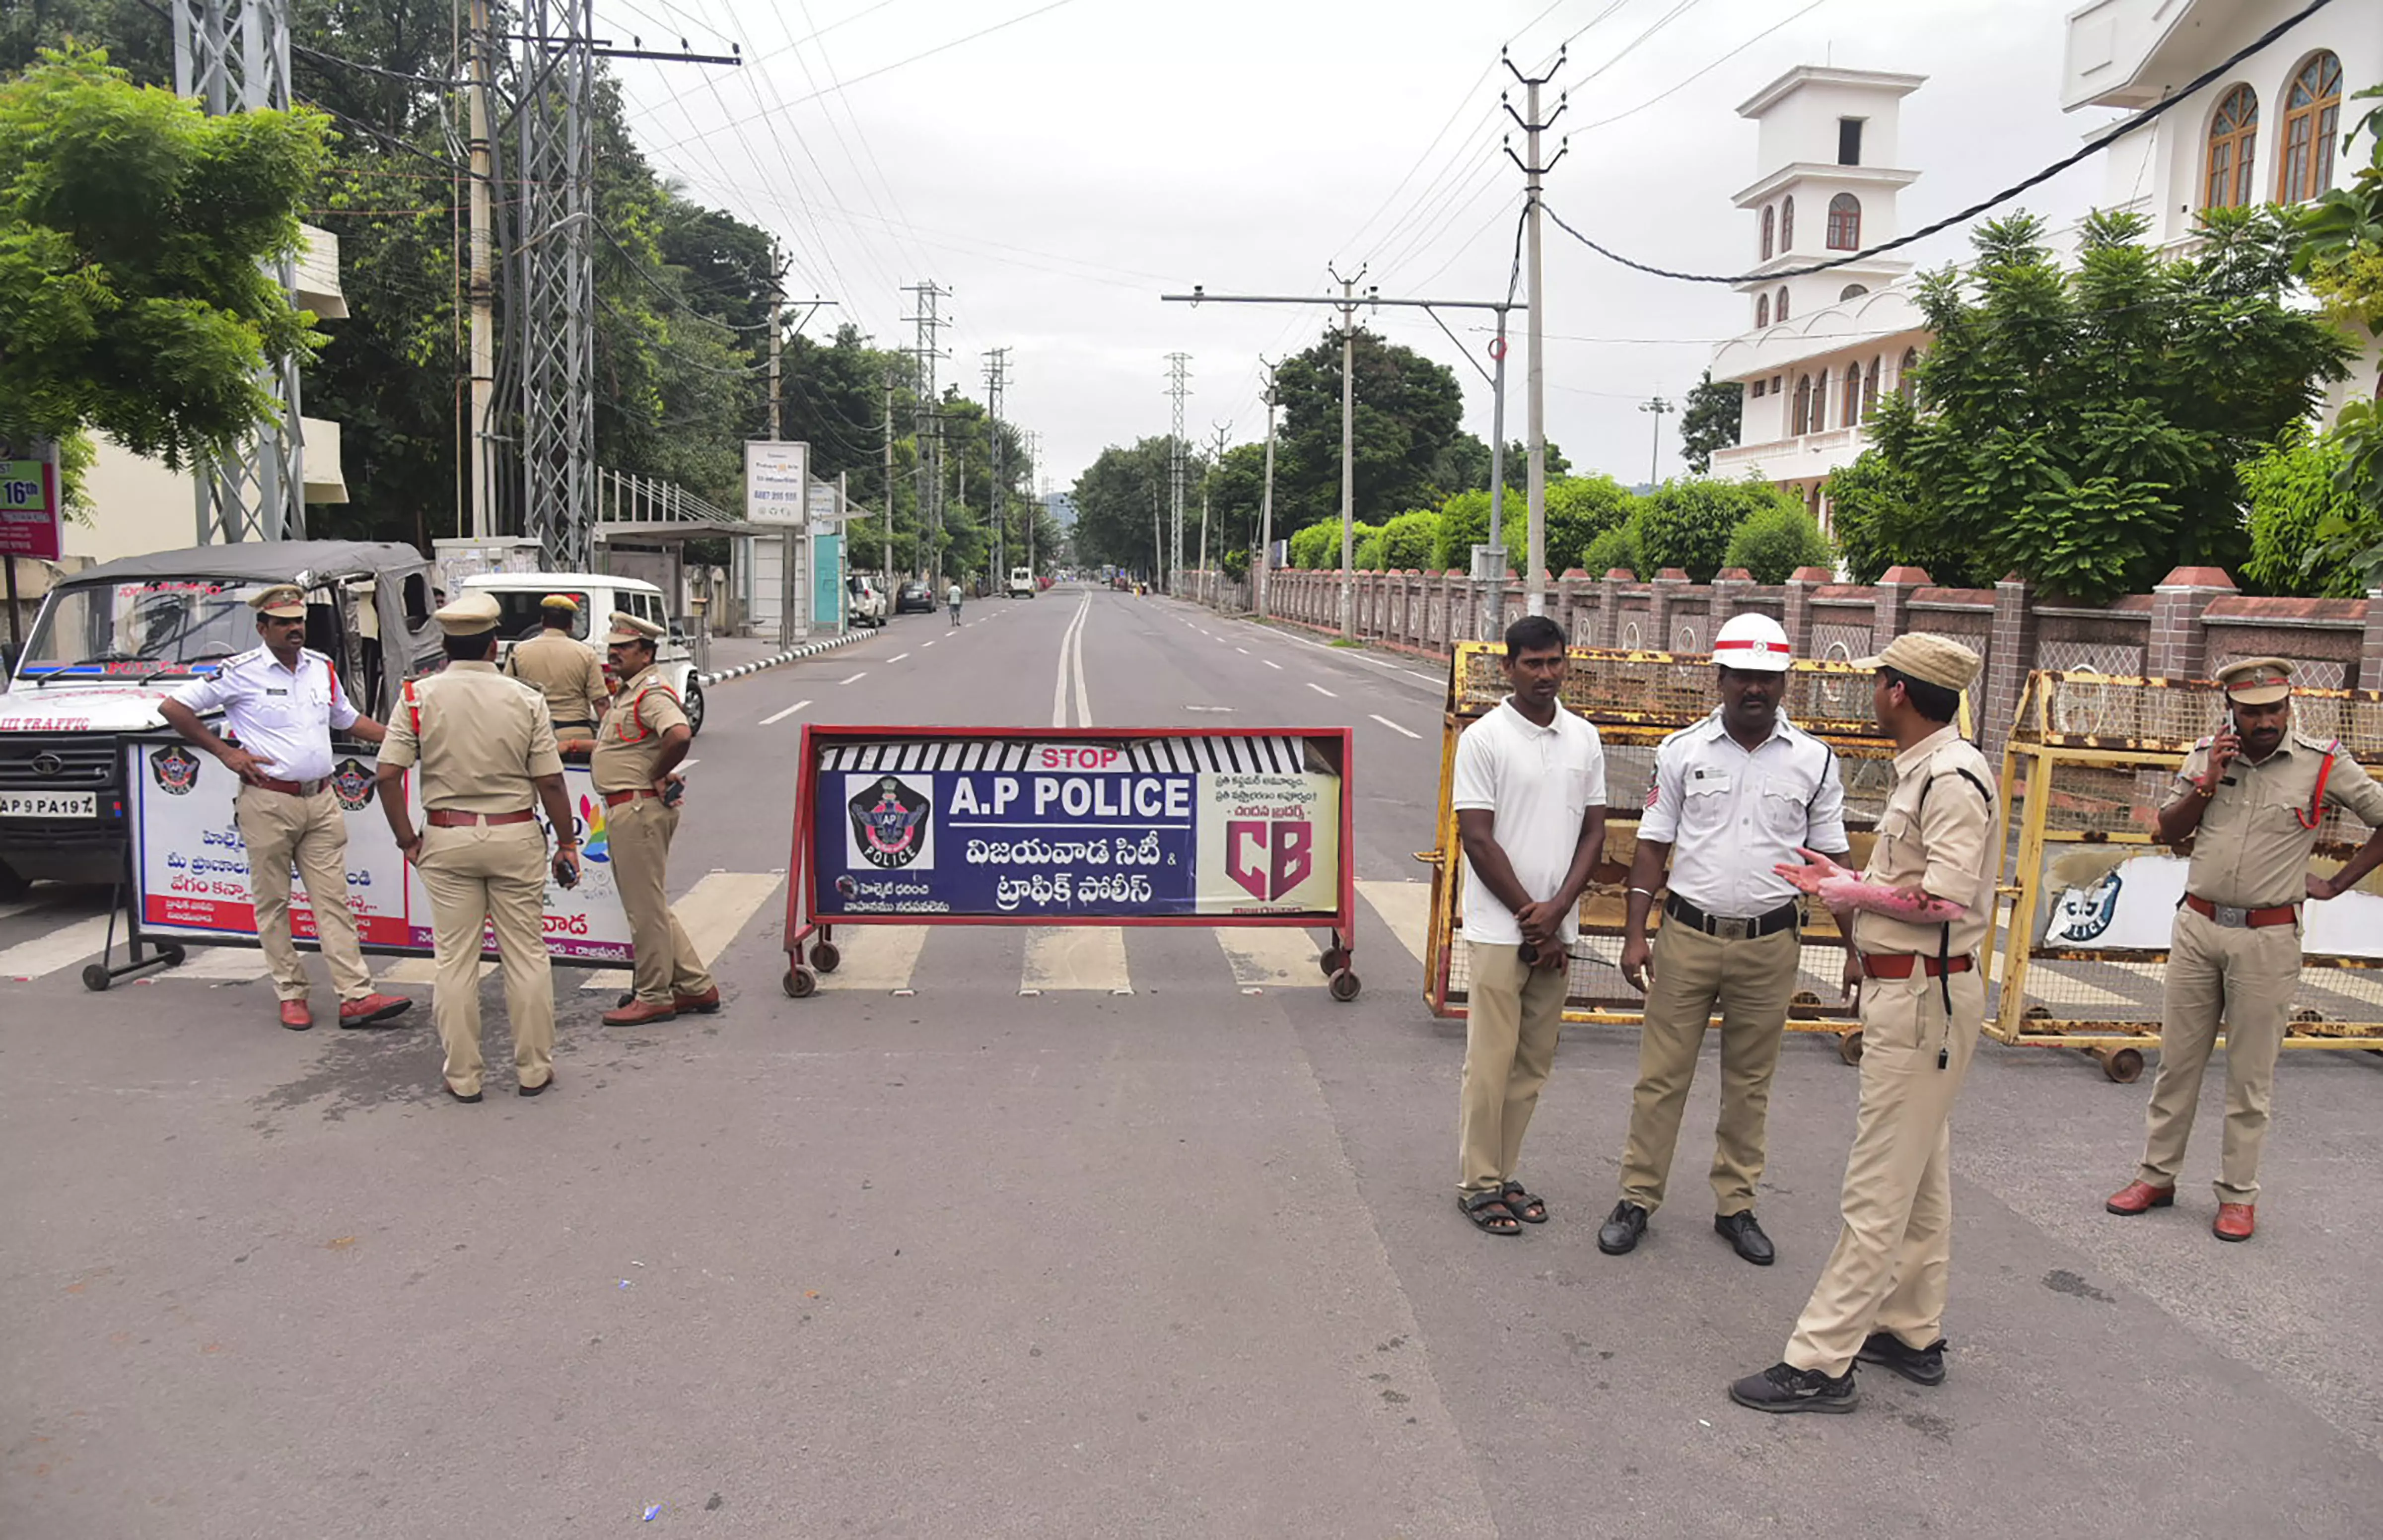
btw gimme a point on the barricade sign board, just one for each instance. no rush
(1053, 826)
(191, 868)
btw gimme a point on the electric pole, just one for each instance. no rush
(482, 293)
(777, 325)
(1224, 432)
(1535, 581)
(1657, 406)
(996, 375)
(1493, 581)
(1266, 500)
(1174, 386)
(928, 297)
(889, 478)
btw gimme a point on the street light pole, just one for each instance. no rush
(1657, 406)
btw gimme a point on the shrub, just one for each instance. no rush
(2296, 488)
(1409, 541)
(1616, 548)
(1687, 522)
(1316, 547)
(1773, 542)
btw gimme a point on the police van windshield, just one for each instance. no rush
(145, 629)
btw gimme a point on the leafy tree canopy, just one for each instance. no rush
(1773, 542)
(1709, 421)
(1407, 414)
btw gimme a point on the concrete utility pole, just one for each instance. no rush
(1224, 432)
(889, 478)
(1535, 581)
(1657, 406)
(928, 297)
(996, 375)
(482, 293)
(1174, 386)
(1266, 503)
(1493, 585)
(777, 325)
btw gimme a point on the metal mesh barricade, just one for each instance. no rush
(2080, 942)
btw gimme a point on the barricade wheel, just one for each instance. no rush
(1334, 960)
(173, 955)
(95, 978)
(1849, 1046)
(1344, 985)
(800, 982)
(825, 957)
(2123, 1064)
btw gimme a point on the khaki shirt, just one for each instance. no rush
(481, 741)
(2250, 851)
(569, 673)
(1937, 834)
(632, 734)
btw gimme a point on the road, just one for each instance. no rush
(1084, 1233)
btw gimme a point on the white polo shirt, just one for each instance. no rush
(1539, 782)
(282, 716)
(1729, 816)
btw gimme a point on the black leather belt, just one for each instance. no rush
(1785, 917)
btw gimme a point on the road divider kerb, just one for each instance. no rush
(808, 649)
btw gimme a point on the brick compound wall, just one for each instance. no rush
(2194, 622)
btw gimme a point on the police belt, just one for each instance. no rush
(448, 818)
(1785, 917)
(1903, 965)
(614, 800)
(2235, 919)
(289, 788)
(573, 721)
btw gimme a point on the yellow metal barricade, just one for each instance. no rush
(2082, 938)
(1637, 699)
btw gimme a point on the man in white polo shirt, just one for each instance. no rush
(282, 701)
(1529, 795)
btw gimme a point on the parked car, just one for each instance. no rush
(518, 596)
(864, 601)
(914, 597)
(1021, 582)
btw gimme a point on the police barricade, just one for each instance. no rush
(189, 868)
(1637, 699)
(2093, 894)
(1069, 826)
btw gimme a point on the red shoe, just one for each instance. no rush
(2234, 1222)
(700, 1005)
(2137, 1196)
(373, 1009)
(637, 1013)
(295, 1015)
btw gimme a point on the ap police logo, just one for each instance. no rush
(892, 823)
(2080, 915)
(175, 769)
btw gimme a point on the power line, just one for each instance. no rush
(1707, 69)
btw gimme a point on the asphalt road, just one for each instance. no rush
(976, 1243)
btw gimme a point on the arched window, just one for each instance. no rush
(1851, 415)
(1769, 227)
(1852, 291)
(1904, 384)
(1762, 310)
(2233, 135)
(1803, 414)
(1870, 384)
(2312, 116)
(1788, 216)
(1780, 310)
(1844, 223)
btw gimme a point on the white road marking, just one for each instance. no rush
(1270, 662)
(875, 957)
(1320, 689)
(926, 644)
(897, 657)
(714, 913)
(854, 679)
(56, 949)
(1271, 955)
(690, 764)
(1391, 725)
(1072, 646)
(1076, 957)
(10, 911)
(422, 970)
(1404, 909)
(781, 716)
(223, 964)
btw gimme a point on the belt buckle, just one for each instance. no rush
(2232, 917)
(1732, 930)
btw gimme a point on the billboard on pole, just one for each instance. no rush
(777, 476)
(29, 500)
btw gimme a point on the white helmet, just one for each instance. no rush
(1755, 642)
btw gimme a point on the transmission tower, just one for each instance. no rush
(234, 57)
(928, 409)
(996, 375)
(555, 283)
(1176, 380)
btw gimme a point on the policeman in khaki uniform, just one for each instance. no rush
(1916, 917)
(565, 667)
(644, 736)
(2248, 804)
(486, 746)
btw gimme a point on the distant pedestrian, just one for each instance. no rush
(1734, 796)
(2248, 804)
(1529, 796)
(282, 701)
(486, 746)
(954, 599)
(1915, 918)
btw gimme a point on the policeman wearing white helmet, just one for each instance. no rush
(1733, 796)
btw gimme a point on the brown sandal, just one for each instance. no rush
(1489, 1211)
(1523, 1206)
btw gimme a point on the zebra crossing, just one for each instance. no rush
(55, 934)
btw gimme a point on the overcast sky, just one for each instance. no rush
(1078, 159)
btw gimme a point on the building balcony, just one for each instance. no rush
(1804, 457)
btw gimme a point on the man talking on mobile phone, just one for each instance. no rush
(1529, 796)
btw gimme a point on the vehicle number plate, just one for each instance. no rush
(49, 805)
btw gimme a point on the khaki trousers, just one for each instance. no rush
(1893, 1257)
(479, 876)
(640, 835)
(2248, 978)
(312, 832)
(1749, 982)
(1512, 1017)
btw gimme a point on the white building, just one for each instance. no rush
(1820, 347)
(2267, 132)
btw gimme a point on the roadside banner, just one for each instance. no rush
(777, 476)
(191, 870)
(29, 500)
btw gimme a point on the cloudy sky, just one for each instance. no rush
(1058, 166)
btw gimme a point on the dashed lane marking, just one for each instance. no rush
(854, 679)
(781, 716)
(1076, 957)
(1404, 909)
(714, 913)
(1391, 725)
(1321, 690)
(876, 958)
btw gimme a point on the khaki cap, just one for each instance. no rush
(2257, 681)
(471, 614)
(283, 601)
(1930, 660)
(632, 628)
(559, 602)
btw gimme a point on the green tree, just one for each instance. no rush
(1578, 509)
(1875, 514)
(1688, 522)
(1773, 542)
(1407, 414)
(2084, 427)
(1409, 540)
(1708, 421)
(132, 232)
(1120, 505)
(1617, 546)
(1316, 548)
(2300, 510)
